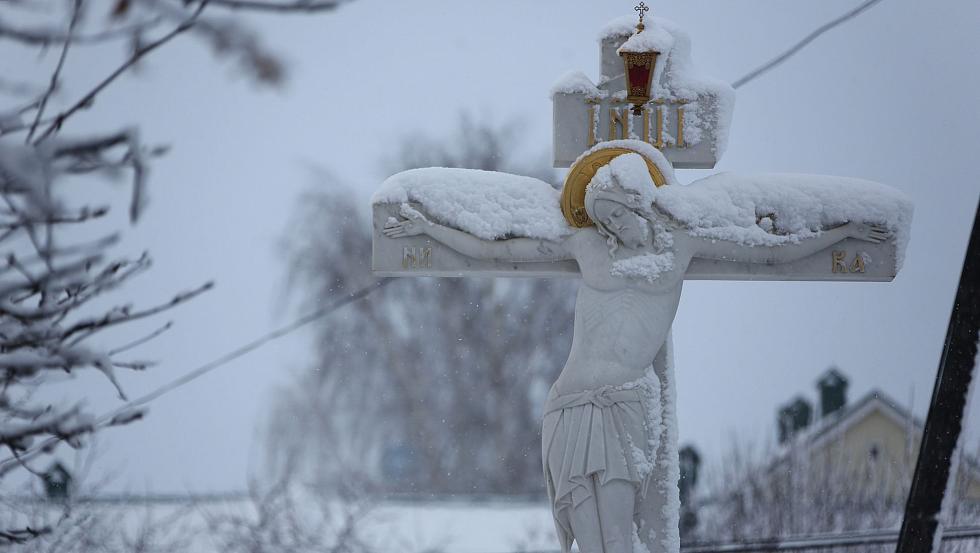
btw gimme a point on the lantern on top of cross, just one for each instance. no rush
(639, 60)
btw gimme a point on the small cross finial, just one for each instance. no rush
(641, 8)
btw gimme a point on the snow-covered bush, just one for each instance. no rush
(58, 275)
(288, 516)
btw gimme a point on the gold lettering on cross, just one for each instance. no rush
(654, 132)
(617, 116)
(659, 144)
(593, 121)
(858, 265)
(646, 124)
(680, 126)
(837, 261)
(416, 257)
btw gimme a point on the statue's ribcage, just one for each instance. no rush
(622, 321)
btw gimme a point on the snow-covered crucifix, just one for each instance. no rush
(633, 235)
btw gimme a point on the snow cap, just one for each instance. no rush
(653, 38)
(577, 82)
(487, 204)
(625, 180)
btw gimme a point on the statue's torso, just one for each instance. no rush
(620, 323)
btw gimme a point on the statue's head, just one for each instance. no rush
(618, 218)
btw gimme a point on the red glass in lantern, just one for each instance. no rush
(639, 77)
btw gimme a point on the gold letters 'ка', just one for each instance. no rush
(580, 175)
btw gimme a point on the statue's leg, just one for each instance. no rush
(617, 503)
(603, 523)
(585, 525)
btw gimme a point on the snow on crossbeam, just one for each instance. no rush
(765, 209)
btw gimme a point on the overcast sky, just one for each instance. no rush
(890, 96)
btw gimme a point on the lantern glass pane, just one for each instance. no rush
(639, 79)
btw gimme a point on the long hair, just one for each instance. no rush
(611, 239)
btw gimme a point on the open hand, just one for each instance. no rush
(414, 224)
(868, 232)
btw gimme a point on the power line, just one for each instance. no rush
(106, 419)
(764, 68)
(249, 347)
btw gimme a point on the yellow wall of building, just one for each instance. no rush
(895, 463)
(973, 490)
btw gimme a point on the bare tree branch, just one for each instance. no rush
(8, 464)
(142, 340)
(88, 327)
(23, 536)
(75, 15)
(45, 291)
(87, 100)
(45, 37)
(296, 6)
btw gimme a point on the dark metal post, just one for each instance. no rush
(945, 420)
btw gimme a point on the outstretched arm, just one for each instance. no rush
(791, 251)
(514, 249)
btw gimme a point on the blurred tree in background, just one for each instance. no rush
(433, 385)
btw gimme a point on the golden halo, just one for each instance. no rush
(580, 175)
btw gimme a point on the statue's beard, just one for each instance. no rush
(614, 242)
(656, 234)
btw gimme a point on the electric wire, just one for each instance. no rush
(771, 64)
(107, 418)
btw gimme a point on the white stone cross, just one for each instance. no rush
(632, 234)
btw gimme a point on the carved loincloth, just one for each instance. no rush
(592, 437)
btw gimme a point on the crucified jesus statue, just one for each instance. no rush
(608, 434)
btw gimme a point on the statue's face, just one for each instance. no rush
(631, 229)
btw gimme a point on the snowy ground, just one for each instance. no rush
(492, 527)
(457, 526)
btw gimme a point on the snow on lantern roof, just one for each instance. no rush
(620, 27)
(653, 38)
(678, 79)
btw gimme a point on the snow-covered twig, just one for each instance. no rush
(21, 536)
(228, 37)
(87, 100)
(142, 340)
(43, 37)
(76, 13)
(295, 6)
(50, 290)
(87, 327)
(107, 419)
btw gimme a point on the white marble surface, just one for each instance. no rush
(392, 257)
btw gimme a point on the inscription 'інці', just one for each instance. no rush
(649, 126)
